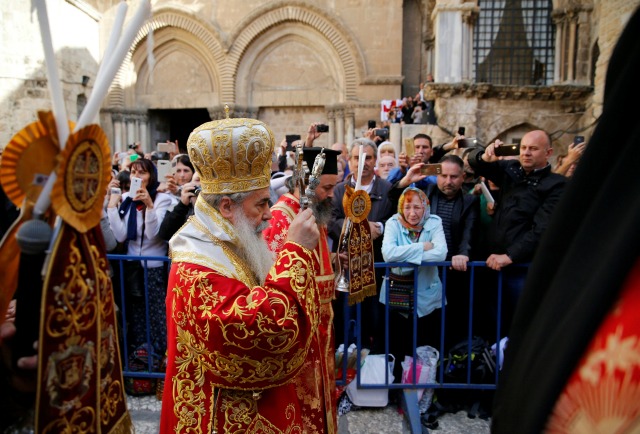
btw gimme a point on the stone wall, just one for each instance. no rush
(291, 62)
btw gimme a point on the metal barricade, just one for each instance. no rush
(408, 389)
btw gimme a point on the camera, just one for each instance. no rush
(371, 124)
(197, 190)
(461, 131)
(578, 139)
(322, 128)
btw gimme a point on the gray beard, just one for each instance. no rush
(252, 247)
(322, 211)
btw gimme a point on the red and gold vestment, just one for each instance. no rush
(283, 213)
(235, 348)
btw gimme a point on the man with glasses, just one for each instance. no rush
(381, 210)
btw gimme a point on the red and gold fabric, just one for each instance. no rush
(235, 346)
(79, 377)
(603, 394)
(362, 278)
(283, 213)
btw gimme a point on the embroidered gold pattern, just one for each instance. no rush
(203, 305)
(232, 155)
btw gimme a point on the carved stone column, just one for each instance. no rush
(331, 121)
(117, 132)
(350, 120)
(339, 113)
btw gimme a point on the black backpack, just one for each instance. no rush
(476, 402)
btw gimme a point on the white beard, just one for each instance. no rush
(252, 246)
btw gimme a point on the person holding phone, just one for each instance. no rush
(182, 174)
(414, 235)
(135, 218)
(566, 164)
(529, 194)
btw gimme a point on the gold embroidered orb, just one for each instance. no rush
(84, 171)
(232, 155)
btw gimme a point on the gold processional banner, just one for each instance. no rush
(80, 385)
(362, 278)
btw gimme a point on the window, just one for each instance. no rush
(514, 42)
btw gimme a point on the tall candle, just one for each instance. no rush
(57, 99)
(116, 31)
(99, 90)
(53, 82)
(361, 157)
(113, 64)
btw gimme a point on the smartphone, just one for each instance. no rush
(164, 169)
(371, 124)
(507, 150)
(165, 147)
(409, 147)
(136, 184)
(431, 169)
(578, 139)
(461, 131)
(290, 138)
(383, 133)
(322, 128)
(467, 143)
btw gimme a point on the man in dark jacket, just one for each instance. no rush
(381, 210)
(459, 213)
(529, 193)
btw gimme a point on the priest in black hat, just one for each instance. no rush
(283, 213)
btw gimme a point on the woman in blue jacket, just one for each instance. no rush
(414, 235)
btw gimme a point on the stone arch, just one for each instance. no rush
(169, 25)
(275, 14)
(313, 73)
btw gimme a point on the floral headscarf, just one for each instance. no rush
(414, 230)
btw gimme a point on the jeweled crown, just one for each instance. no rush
(232, 155)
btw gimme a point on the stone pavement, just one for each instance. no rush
(145, 412)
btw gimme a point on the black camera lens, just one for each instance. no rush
(197, 190)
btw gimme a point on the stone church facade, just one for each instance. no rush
(293, 62)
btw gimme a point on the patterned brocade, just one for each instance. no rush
(234, 346)
(315, 383)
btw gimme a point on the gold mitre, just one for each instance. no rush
(232, 155)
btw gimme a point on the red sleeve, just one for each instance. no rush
(239, 336)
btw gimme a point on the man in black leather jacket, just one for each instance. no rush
(529, 192)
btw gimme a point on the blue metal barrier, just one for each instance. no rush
(124, 347)
(409, 390)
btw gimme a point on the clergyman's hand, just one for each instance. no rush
(304, 230)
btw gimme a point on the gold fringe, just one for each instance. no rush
(124, 425)
(358, 297)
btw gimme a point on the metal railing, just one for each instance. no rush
(117, 262)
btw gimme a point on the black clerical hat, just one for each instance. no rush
(331, 162)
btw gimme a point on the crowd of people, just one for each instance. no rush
(415, 217)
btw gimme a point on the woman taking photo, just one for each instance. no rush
(136, 222)
(413, 235)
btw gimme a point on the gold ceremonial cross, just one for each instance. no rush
(86, 174)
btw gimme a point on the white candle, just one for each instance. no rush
(59, 111)
(57, 100)
(116, 31)
(100, 88)
(361, 157)
(113, 64)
